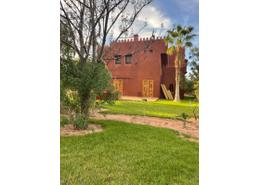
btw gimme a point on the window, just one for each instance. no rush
(128, 59)
(117, 59)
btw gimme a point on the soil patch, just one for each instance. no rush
(191, 130)
(135, 98)
(70, 130)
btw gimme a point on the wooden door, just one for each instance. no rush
(118, 83)
(147, 88)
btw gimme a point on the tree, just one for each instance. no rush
(194, 64)
(86, 26)
(177, 40)
(194, 67)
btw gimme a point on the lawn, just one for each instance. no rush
(159, 108)
(128, 154)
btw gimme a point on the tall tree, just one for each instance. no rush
(194, 67)
(177, 40)
(88, 23)
(194, 64)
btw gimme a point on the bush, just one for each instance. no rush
(109, 96)
(80, 122)
(64, 121)
(195, 112)
(81, 83)
(196, 90)
(188, 86)
(70, 101)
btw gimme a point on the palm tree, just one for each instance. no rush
(176, 41)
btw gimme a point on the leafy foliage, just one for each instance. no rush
(194, 64)
(196, 113)
(80, 122)
(109, 97)
(70, 100)
(188, 86)
(194, 74)
(64, 121)
(81, 85)
(184, 118)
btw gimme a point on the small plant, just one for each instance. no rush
(184, 118)
(80, 122)
(195, 112)
(63, 121)
(109, 96)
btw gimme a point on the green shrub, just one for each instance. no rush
(64, 121)
(80, 122)
(195, 112)
(184, 118)
(70, 101)
(81, 83)
(196, 90)
(109, 96)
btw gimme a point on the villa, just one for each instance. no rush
(140, 65)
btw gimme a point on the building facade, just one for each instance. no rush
(140, 65)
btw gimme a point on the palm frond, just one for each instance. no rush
(189, 37)
(179, 28)
(169, 32)
(184, 32)
(190, 29)
(174, 34)
(170, 50)
(179, 42)
(168, 40)
(188, 44)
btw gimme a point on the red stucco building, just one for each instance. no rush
(140, 65)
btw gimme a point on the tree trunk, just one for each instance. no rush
(177, 84)
(177, 74)
(85, 105)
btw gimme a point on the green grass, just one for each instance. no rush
(128, 154)
(160, 108)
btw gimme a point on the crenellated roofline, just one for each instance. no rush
(136, 39)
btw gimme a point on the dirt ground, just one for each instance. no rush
(191, 129)
(137, 98)
(69, 130)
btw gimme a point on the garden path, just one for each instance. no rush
(191, 128)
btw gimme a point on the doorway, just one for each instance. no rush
(118, 83)
(147, 88)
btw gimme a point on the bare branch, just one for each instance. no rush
(132, 20)
(66, 17)
(90, 22)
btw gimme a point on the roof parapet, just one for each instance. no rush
(139, 39)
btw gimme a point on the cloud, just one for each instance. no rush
(154, 20)
(154, 17)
